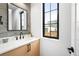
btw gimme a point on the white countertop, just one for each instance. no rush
(15, 44)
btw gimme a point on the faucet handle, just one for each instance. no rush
(23, 37)
(20, 37)
(16, 38)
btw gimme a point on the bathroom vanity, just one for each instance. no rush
(17, 25)
(28, 47)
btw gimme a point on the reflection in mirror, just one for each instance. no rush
(16, 17)
(23, 19)
(51, 20)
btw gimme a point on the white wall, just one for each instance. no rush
(36, 19)
(52, 47)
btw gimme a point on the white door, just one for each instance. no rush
(73, 27)
(77, 30)
(65, 27)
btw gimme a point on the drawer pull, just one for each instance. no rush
(28, 47)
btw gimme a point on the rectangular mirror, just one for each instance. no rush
(17, 18)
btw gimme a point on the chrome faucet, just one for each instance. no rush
(21, 35)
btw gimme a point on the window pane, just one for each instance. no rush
(54, 23)
(47, 24)
(53, 6)
(47, 7)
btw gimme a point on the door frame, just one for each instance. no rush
(73, 28)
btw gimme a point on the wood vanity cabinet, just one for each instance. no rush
(31, 49)
(35, 48)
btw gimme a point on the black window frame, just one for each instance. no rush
(57, 22)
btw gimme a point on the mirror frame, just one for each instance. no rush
(20, 19)
(57, 22)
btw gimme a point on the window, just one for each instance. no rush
(51, 20)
